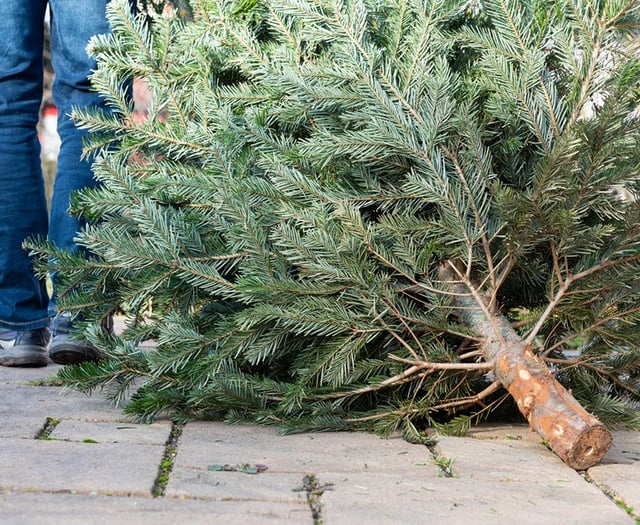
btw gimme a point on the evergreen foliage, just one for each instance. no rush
(278, 224)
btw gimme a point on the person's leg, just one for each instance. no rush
(73, 23)
(23, 211)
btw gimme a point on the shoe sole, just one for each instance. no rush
(25, 357)
(68, 354)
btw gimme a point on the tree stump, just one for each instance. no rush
(576, 436)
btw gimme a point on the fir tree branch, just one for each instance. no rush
(469, 355)
(515, 31)
(624, 9)
(457, 403)
(593, 326)
(585, 90)
(480, 223)
(550, 109)
(401, 340)
(282, 27)
(566, 284)
(409, 375)
(429, 365)
(445, 270)
(604, 373)
(503, 273)
(421, 46)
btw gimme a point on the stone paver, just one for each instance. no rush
(393, 499)
(47, 401)
(505, 432)
(621, 482)
(108, 432)
(207, 443)
(287, 458)
(61, 466)
(227, 486)
(99, 467)
(510, 461)
(525, 477)
(625, 449)
(619, 473)
(25, 427)
(67, 509)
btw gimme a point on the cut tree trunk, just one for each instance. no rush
(577, 437)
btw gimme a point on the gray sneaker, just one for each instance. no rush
(24, 348)
(67, 349)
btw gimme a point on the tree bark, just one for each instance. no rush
(577, 437)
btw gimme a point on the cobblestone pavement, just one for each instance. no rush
(71, 459)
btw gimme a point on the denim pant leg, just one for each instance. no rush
(23, 212)
(73, 23)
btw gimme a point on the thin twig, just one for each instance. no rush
(470, 400)
(431, 365)
(479, 301)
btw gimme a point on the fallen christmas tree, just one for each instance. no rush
(369, 215)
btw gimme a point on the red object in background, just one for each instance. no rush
(49, 139)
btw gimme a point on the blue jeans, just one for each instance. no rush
(24, 303)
